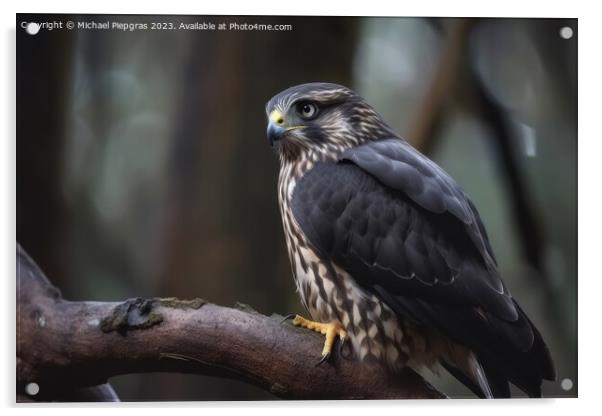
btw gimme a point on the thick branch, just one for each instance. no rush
(64, 345)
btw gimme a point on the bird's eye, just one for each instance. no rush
(307, 111)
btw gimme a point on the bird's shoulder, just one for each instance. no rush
(396, 164)
(393, 169)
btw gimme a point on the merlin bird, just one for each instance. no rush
(389, 255)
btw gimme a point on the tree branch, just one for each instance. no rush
(65, 346)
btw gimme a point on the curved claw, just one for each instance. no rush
(342, 343)
(287, 317)
(324, 358)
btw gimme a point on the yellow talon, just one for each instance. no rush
(331, 330)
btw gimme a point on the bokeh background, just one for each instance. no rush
(143, 167)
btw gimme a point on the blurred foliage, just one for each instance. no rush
(143, 168)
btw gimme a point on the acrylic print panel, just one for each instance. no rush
(263, 207)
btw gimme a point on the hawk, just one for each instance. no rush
(389, 255)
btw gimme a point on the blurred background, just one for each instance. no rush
(143, 168)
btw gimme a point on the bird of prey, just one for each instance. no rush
(389, 255)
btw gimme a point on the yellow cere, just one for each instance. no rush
(276, 117)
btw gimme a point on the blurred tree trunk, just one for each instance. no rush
(41, 103)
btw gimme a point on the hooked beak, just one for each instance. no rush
(275, 132)
(277, 127)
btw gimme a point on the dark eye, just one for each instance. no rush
(307, 111)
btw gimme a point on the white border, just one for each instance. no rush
(590, 153)
(506, 8)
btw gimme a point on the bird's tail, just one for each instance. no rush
(481, 380)
(478, 374)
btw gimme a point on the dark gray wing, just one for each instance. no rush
(406, 232)
(399, 166)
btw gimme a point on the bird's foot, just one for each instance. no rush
(330, 330)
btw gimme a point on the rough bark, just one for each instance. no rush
(67, 347)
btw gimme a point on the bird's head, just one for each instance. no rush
(321, 120)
